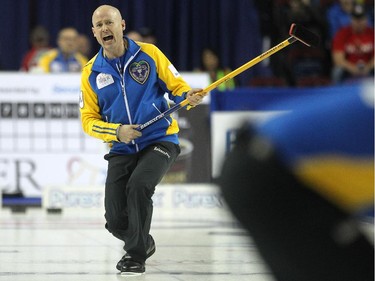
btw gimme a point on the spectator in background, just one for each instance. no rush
(338, 15)
(148, 35)
(84, 45)
(39, 41)
(134, 35)
(64, 58)
(304, 13)
(270, 37)
(353, 49)
(210, 63)
(300, 63)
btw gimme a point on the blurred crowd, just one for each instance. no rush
(345, 54)
(70, 54)
(72, 51)
(346, 51)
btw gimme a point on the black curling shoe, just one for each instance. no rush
(150, 251)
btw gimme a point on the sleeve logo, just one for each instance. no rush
(81, 100)
(174, 71)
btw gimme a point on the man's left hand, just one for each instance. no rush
(195, 96)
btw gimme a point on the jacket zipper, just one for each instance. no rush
(122, 82)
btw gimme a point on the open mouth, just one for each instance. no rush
(107, 38)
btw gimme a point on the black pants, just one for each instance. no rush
(130, 184)
(301, 236)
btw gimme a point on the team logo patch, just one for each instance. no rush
(140, 71)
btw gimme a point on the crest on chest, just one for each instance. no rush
(140, 71)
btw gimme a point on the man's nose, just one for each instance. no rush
(104, 27)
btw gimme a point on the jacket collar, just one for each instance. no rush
(101, 64)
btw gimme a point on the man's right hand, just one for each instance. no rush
(127, 133)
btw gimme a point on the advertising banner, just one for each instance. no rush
(42, 142)
(200, 201)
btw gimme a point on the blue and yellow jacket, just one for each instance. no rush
(53, 61)
(328, 143)
(133, 95)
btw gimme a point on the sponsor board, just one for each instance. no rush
(169, 200)
(41, 139)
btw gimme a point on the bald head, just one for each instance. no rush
(108, 27)
(106, 10)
